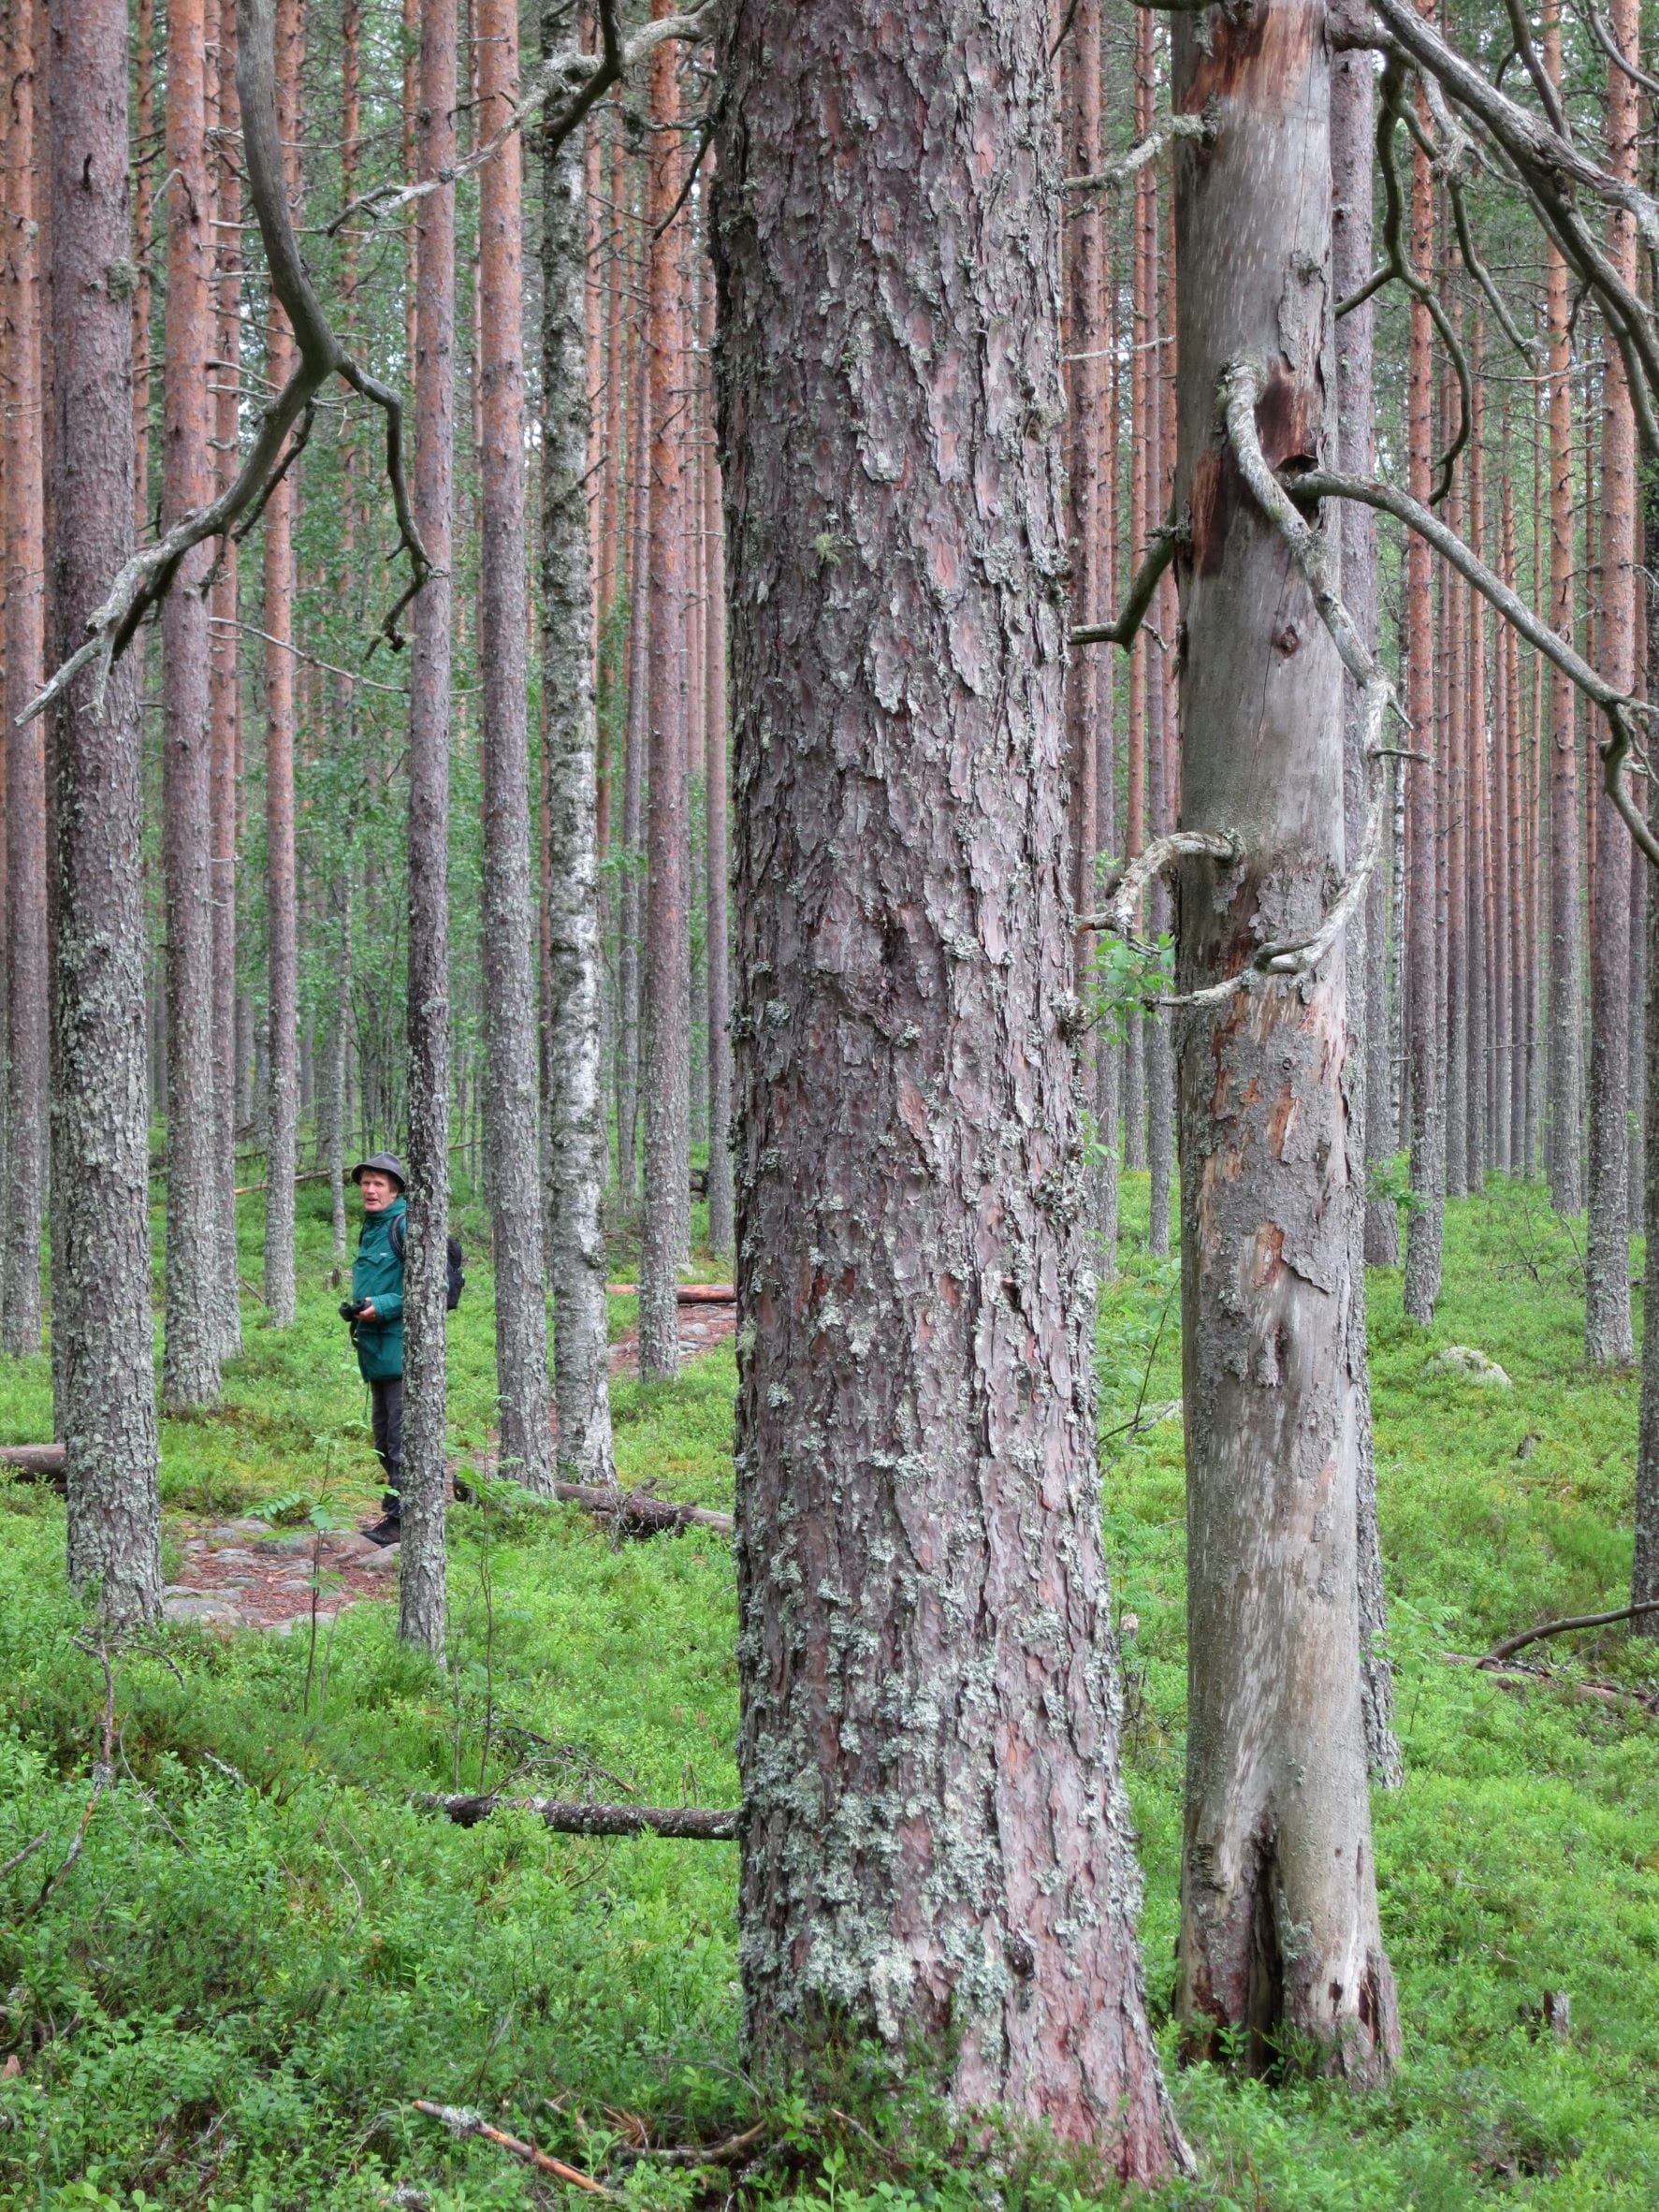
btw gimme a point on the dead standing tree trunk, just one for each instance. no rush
(510, 1076)
(193, 1315)
(936, 1843)
(578, 1148)
(421, 1609)
(101, 1144)
(27, 987)
(1279, 1934)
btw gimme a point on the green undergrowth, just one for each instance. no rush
(263, 1952)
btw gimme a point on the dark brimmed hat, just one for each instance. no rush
(383, 1163)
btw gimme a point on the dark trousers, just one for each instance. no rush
(387, 1398)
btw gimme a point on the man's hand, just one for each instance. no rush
(366, 1311)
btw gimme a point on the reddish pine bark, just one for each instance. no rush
(935, 1846)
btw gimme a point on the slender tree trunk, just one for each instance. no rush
(27, 985)
(421, 1611)
(512, 1158)
(1526, 845)
(935, 1844)
(1279, 1929)
(667, 1014)
(1103, 1181)
(143, 240)
(635, 738)
(282, 1152)
(1161, 1064)
(1644, 1580)
(1352, 136)
(1608, 1337)
(578, 1149)
(1509, 886)
(194, 1318)
(101, 1144)
(1455, 844)
(1565, 1106)
(226, 689)
(1144, 299)
(1473, 888)
(1424, 1223)
(716, 851)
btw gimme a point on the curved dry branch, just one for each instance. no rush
(1610, 45)
(144, 581)
(1161, 551)
(1127, 886)
(1622, 710)
(1164, 132)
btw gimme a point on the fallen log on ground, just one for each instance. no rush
(1512, 1644)
(699, 1823)
(637, 1513)
(688, 1294)
(35, 1463)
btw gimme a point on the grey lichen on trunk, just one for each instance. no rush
(1279, 1930)
(936, 1849)
(578, 1150)
(101, 1327)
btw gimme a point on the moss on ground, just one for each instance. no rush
(264, 1955)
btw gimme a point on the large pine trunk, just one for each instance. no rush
(511, 1136)
(101, 1144)
(1279, 1935)
(421, 1581)
(194, 1315)
(24, 862)
(577, 1148)
(936, 1851)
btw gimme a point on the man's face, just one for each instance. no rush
(378, 1191)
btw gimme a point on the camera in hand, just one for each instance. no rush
(350, 1311)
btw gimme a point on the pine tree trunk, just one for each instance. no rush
(226, 689)
(666, 1012)
(1103, 1180)
(716, 841)
(1424, 1222)
(282, 1150)
(1352, 136)
(421, 1610)
(1279, 1931)
(634, 742)
(26, 984)
(578, 1145)
(1455, 844)
(511, 1134)
(1644, 1580)
(936, 1847)
(142, 246)
(101, 1143)
(1161, 734)
(194, 1318)
(1609, 1336)
(1474, 889)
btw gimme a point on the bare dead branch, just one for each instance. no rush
(1127, 886)
(1622, 711)
(1610, 45)
(461, 2120)
(1161, 551)
(1164, 132)
(1512, 1644)
(145, 580)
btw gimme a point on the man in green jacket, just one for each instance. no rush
(375, 1312)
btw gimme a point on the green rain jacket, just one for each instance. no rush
(377, 1273)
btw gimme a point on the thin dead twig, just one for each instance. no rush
(461, 2120)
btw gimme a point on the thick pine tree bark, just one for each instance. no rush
(193, 1320)
(421, 1583)
(282, 1144)
(578, 1146)
(26, 978)
(666, 1012)
(226, 687)
(936, 1847)
(1425, 1220)
(511, 1136)
(1279, 1934)
(101, 1323)
(1608, 1337)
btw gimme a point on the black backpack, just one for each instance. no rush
(454, 1281)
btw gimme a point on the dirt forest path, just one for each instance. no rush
(245, 1574)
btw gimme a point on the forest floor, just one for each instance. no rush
(264, 1954)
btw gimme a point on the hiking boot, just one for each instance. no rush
(387, 1530)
